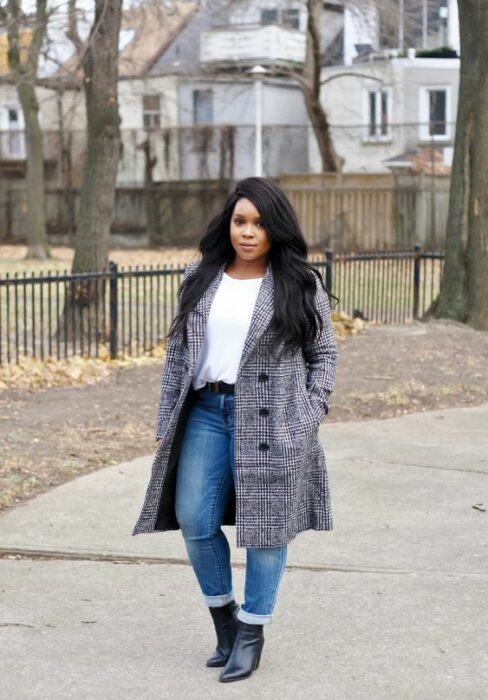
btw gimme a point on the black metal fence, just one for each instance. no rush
(386, 287)
(127, 312)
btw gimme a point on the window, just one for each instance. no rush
(15, 136)
(202, 107)
(269, 16)
(151, 111)
(288, 18)
(434, 113)
(13, 118)
(291, 18)
(378, 115)
(437, 112)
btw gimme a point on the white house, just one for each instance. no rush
(186, 92)
(384, 108)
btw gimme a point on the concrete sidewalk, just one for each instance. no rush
(391, 604)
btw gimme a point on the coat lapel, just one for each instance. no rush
(261, 316)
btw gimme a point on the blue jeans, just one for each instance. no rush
(204, 483)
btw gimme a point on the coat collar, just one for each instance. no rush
(261, 316)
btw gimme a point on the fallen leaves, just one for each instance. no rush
(344, 325)
(33, 373)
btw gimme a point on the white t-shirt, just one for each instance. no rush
(226, 330)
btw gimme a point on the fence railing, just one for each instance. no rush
(386, 287)
(127, 311)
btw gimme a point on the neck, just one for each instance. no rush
(247, 268)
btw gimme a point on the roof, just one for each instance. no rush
(154, 29)
(424, 160)
(146, 32)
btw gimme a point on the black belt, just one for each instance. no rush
(221, 387)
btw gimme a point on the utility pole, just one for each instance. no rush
(425, 23)
(257, 73)
(401, 25)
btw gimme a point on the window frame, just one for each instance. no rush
(290, 12)
(424, 113)
(212, 105)
(273, 21)
(153, 114)
(377, 137)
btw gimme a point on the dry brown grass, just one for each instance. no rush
(12, 258)
(69, 453)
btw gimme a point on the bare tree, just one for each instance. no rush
(464, 293)
(100, 69)
(310, 84)
(24, 72)
(99, 61)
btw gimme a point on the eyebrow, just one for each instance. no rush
(243, 215)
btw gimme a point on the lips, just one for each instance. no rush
(247, 245)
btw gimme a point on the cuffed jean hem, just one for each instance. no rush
(253, 618)
(218, 601)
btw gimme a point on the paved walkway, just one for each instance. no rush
(390, 605)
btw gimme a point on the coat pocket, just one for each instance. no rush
(302, 422)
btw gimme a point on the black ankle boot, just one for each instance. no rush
(226, 625)
(246, 653)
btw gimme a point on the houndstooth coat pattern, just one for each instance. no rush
(281, 483)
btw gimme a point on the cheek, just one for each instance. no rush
(234, 233)
(265, 240)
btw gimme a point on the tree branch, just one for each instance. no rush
(37, 36)
(72, 32)
(350, 74)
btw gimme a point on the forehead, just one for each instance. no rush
(245, 207)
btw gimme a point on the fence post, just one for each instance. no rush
(113, 309)
(416, 281)
(329, 258)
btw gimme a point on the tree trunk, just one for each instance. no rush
(83, 315)
(151, 201)
(464, 292)
(100, 66)
(37, 245)
(310, 84)
(25, 74)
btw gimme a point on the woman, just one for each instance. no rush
(249, 368)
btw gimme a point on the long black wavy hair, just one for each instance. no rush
(295, 320)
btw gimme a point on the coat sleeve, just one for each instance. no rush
(170, 379)
(321, 357)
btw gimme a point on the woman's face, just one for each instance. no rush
(246, 229)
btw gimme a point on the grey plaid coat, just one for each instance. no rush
(281, 484)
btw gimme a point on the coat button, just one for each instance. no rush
(263, 446)
(263, 412)
(263, 377)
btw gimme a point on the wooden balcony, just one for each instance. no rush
(248, 45)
